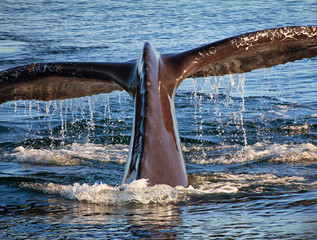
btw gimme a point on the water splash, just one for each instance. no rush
(70, 155)
(288, 153)
(138, 191)
(100, 193)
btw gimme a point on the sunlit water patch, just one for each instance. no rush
(11, 49)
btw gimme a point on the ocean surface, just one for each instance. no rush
(249, 140)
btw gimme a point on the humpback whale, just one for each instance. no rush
(152, 80)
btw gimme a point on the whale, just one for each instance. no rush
(152, 80)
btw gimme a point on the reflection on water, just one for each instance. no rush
(200, 219)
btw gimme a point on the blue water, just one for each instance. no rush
(249, 140)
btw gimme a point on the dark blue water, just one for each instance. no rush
(250, 141)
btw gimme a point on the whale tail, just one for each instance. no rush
(152, 80)
(239, 54)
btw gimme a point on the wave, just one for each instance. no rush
(205, 186)
(138, 192)
(100, 193)
(289, 153)
(85, 153)
(71, 155)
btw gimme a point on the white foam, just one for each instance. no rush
(232, 183)
(298, 129)
(99, 193)
(71, 155)
(282, 113)
(140, 193)
(136, 192)
(305, 152)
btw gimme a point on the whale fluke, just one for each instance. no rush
(246, 52)
(51, 81)
(152, 80)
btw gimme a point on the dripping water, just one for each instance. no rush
(223, 98)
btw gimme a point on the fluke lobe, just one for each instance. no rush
(152, 80)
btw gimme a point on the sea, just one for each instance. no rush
(249, 140)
